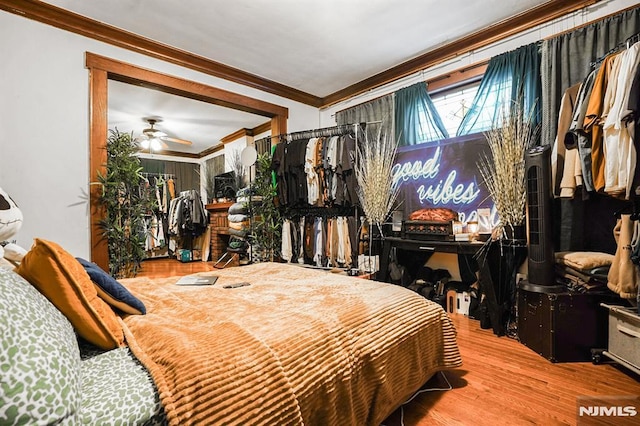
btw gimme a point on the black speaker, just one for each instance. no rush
(539, 216)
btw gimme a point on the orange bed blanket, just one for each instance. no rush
(297, 346)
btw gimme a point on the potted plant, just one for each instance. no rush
(125, 201)
(503, 170)
(266, 228)
(376, 190)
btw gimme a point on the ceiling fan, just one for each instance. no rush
(154, 140)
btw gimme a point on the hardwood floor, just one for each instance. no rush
(502, 382)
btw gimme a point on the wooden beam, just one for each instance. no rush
(73, 22)
(240, 133)
(98, 100)
(524, 21)
(456, 78)
(264, 127)
(128, 73)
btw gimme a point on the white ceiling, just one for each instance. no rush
(318, 47)
(202, 123)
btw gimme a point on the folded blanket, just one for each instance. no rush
(238, 217)
(584, 260)
(240, 226)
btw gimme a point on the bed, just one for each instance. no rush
(295, 346)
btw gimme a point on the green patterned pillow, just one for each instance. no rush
(39, 357)
(118, 390)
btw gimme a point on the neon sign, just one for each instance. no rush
(443, 174)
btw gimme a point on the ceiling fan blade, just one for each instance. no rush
(164, 144)
(153, 133)
(176, 140)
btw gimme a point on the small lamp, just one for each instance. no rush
(155, 144)
(472, 229)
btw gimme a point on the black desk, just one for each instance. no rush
(496, 275)
(427, 247)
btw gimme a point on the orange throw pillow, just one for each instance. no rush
(64, 281)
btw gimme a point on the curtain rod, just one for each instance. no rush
(165, 175)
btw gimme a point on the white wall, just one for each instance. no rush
(44, 124)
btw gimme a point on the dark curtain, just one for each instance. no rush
(566, 60)
(581, 223)
(152, 166)
(416, 118)
(510, 77)
(186, 174)
(379, 109)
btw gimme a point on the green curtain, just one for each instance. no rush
(416, 118)
(510, 77)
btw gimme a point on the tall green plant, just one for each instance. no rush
(125, 200)
(266, 231)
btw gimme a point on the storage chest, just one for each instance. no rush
(561, 326)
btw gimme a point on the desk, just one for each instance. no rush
(496, 274)
(426, 247)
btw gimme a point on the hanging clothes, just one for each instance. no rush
(620, 154)
(593, 121)
(286, 250)
(600, 131)
(310, 165)
(563, 159)
(575, 137)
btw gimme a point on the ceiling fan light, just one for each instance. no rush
(155, 144)
(145, 144)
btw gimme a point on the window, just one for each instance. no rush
(453, 104)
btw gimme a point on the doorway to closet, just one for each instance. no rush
(103, 69)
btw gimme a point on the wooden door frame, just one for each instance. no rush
(103, 69)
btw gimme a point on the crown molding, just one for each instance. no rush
(211, 150)
(262, 128)
(73, 22)
(522, 22)
(69, 21)
(240, 133)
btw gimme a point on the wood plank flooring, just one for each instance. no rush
(502, 382)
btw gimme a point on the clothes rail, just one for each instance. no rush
(625, 44)
(313, 133)
(315, 211)
(164, 175)
(337, 130)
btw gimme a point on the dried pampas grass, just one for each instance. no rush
(376, 190)
(504, 170)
